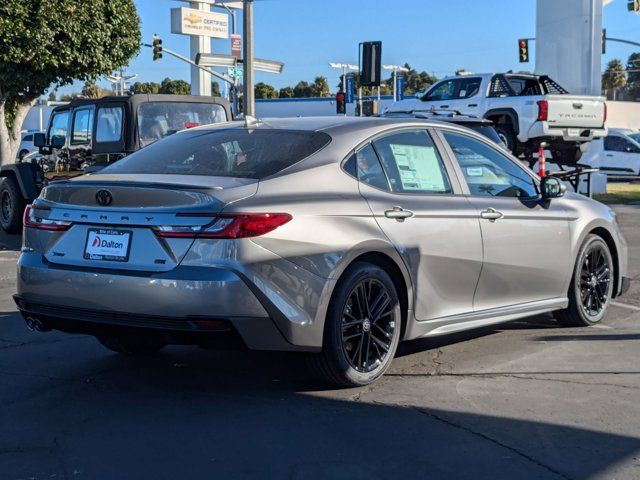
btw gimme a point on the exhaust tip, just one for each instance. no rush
(36, 324)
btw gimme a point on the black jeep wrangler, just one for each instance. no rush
(88, 134)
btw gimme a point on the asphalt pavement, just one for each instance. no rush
(525, 400)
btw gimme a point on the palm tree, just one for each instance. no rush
(614, 76)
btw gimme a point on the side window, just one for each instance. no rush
(619, 144)
(412, 163)
(109, 124)
(442, 91)
(59, 126)
(369, 169)
(469, 87)
(82, 125)
(488, 172)
(27, 138)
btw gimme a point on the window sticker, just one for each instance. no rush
(419, 168)
(474, 171)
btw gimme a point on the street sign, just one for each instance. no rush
(399, 87)
(189, 21)
(236, 45)
(235, 72)
(351, 86)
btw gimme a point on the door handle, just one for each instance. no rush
(398, 213)
(491, 214)
(609, 155)
(444, 106)
(472, 105)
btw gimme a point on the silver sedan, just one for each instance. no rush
(338, 237)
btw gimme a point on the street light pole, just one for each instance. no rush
(247, 27)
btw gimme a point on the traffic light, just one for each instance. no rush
(523, 50)
(157, 48)
(633, 6)
(341, 104)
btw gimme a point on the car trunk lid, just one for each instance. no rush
(119, 232)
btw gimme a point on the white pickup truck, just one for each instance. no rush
(526, 110)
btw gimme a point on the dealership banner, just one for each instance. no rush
(399, 87)
(189, 21)
(351, 86)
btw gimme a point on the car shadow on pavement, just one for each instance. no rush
(72, 409)
(429, 343)
(590, 337)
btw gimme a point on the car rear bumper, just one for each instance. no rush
(187, 300)
(543, 129)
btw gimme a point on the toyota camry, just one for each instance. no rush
(338, 237)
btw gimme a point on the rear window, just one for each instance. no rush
(225, 153)
(157, 120)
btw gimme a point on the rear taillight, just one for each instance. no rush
(31, 220)
(234, 225)
(543, 110)
(605, 113)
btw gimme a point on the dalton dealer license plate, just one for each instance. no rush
(107, 244)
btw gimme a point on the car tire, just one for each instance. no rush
(11, 206)
(133, 346)
(591, 285)
(507, 135)
(349, 333)
(22, 154)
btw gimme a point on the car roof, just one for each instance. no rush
(327, 124)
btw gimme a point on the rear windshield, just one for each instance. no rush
(157, 120)
(226, 153)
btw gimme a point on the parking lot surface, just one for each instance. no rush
(526, 400)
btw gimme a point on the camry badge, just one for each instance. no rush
(104, 198)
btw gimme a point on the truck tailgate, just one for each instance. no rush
(575, 111)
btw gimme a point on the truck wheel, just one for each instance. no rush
(508, 137)
(11, 206)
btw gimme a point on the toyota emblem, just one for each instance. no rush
(104, 198)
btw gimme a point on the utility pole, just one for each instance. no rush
(247, 27)
(200, 81)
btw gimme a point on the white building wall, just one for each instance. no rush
(569, 43)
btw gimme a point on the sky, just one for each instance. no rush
(439, 36)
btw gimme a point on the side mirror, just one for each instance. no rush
(552, 187)
(39, 140)
(420, 95)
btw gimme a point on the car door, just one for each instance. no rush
(526, 241)
(81, 135)
(414, 199)
(468, 96)
(442, 95)
(621, 156)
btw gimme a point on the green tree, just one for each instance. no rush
(614, 77)
(215, 89)
(45, 42)
(320, 87)
(52, 96)
(286, 92)
(633, 77)
(91, 90)
(302, 90)
(264, 90)
(144, 87)
(175, 87)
